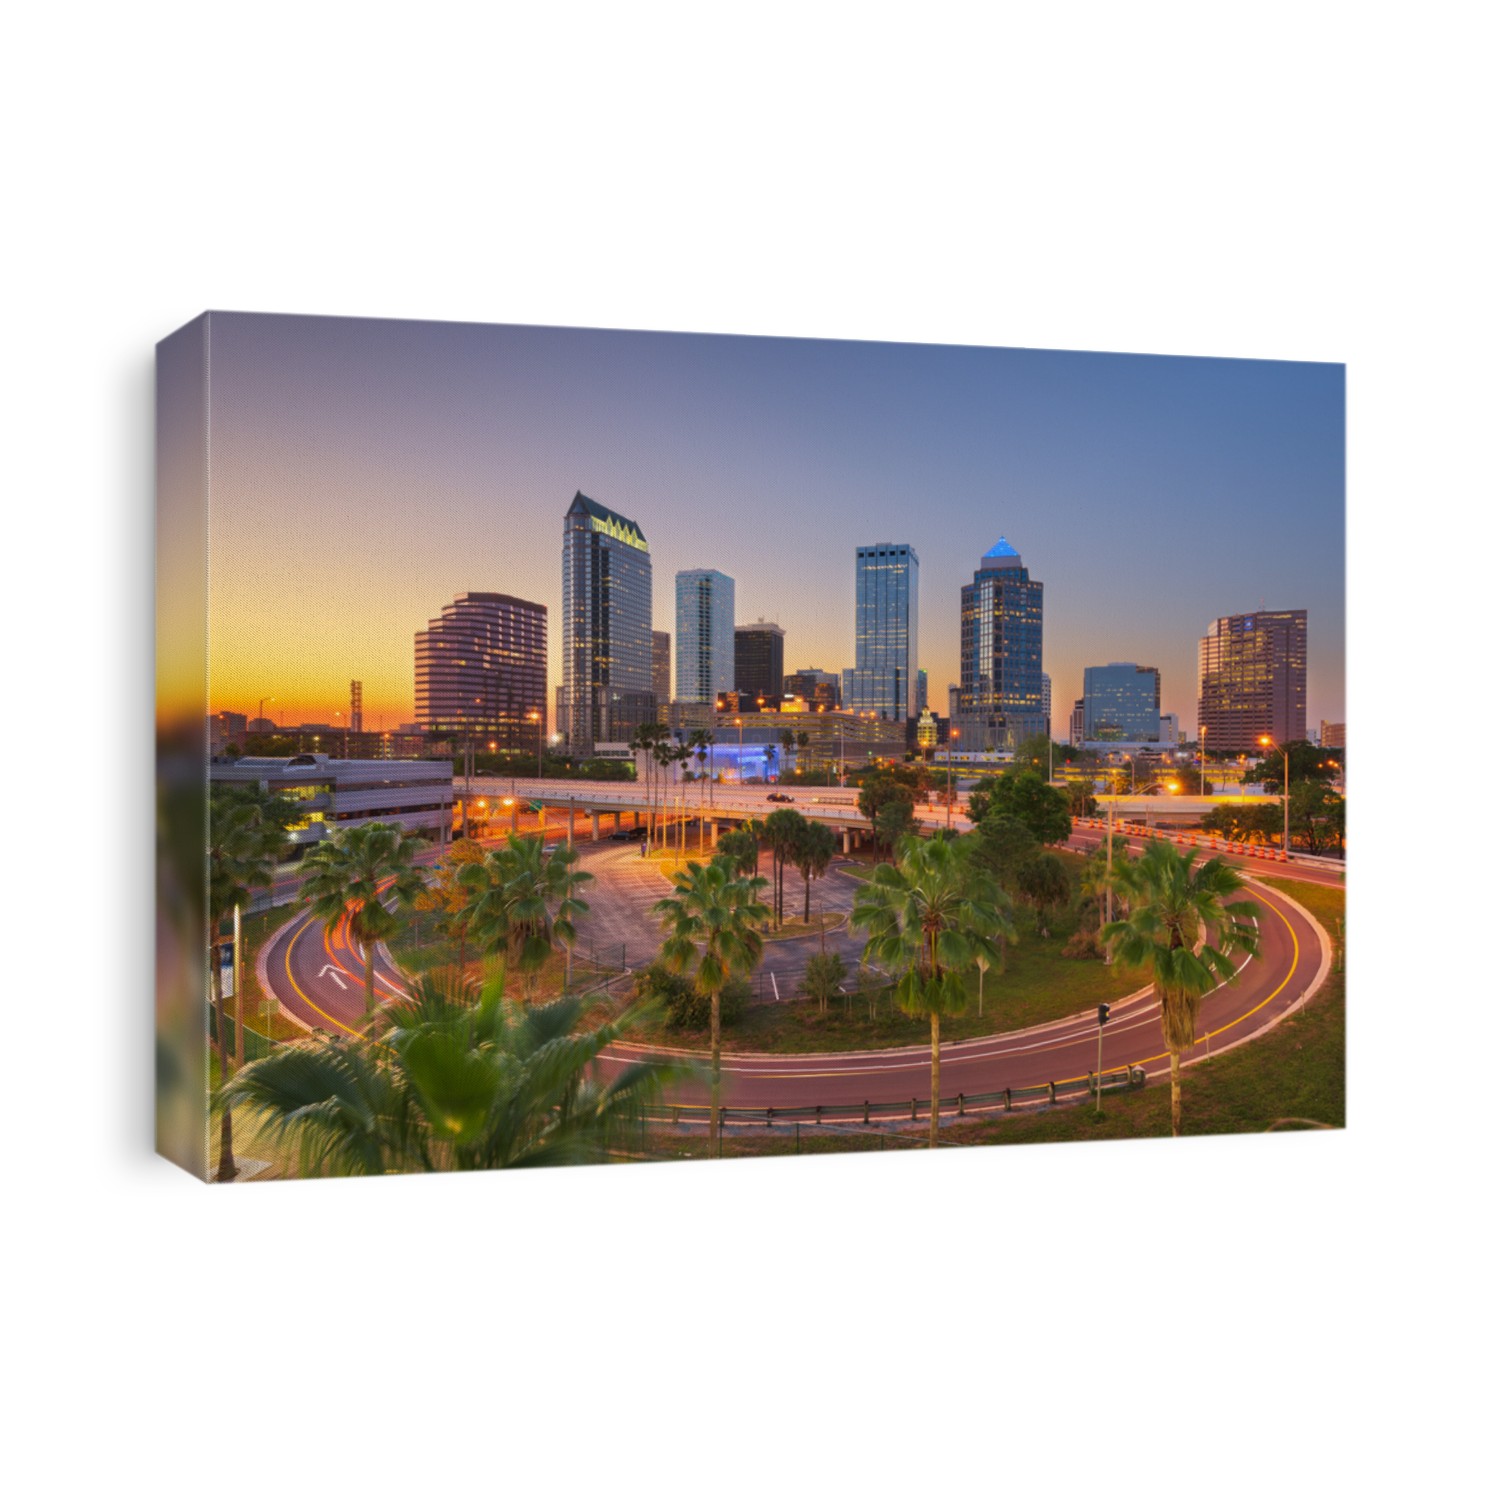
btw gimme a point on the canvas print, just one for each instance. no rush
(583, 746)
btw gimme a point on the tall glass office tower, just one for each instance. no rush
(883, 679)
(1121, 701)
(1001, 698)
(705, 635)
(607, 650)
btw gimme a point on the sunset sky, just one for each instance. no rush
(362, 473)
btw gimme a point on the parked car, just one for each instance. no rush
(780, 797)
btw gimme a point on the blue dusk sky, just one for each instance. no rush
(364, 472)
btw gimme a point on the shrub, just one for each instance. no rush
(683, 1005)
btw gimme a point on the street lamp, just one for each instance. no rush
(536, 719)
(1286, 793)
(952, 735)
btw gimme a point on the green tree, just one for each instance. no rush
(1026, 796)
(1081, 800)
(1176, 905)
(1317, 815)
(524, 899)
(447, 896)
(461, 1080)
(1308, 763)
(359, 873)
(1038, 753)
(882, 792)
(710, 922)
(1001, 845)
(823, 977)
(1247, 823)
(931, 916)
(739, 849)
(812, 852)
(650, 738)
(782, 830)
(1043, 882)
(247, 835)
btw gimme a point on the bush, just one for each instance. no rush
(683, 1005)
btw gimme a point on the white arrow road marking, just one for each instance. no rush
(338, 979)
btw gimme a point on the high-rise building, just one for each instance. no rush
(1330, 736)
(661, 667)
(1000, 698)
(1170, 733)
(820, 689)
(481, 670)
(760, 659)
(1121, 701)
(705, 635)
(356, 706)
(1047, 702)
(1075, 723)
(607, 645)
(921, 689)
(883, 679)
(1252, 680)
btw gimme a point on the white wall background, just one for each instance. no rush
(1293, 1315)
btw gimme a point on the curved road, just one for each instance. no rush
(318, 979)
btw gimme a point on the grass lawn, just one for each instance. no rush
(1294, 1073)
(419, 947)
(1038, 985)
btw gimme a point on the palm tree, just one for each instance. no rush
(711, 921)
(359, 873)
(812, 852)
(246, 838)
(1174, 904)
(650, 738)
(782, 830)
(931, 915)
(461, 1080)
(739, 849)
(524, 900)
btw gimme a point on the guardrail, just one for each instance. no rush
(1214, 843)
(868, 1112)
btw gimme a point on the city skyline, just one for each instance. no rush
(1153, 493)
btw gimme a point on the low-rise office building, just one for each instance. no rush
(415, 795)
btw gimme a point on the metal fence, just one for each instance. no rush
(869, 1112)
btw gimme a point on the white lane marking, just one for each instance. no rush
(328, 971)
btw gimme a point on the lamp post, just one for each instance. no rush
(1286, 793)
(952, 735)
(740, 725)
(536, 719)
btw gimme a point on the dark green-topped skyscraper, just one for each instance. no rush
(606, 627)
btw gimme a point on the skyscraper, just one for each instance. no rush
(1252, 680)
(1047, 702)
(607, 646)
(883, 679)
(1000, 697)
(760, 660)
(1121, 701)
(705, 635)
(481, 668)
(357, 706)
(921, 688)
(661, 668)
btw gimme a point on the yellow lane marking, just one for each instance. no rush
(302, 995)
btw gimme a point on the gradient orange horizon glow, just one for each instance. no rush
(364, 473)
